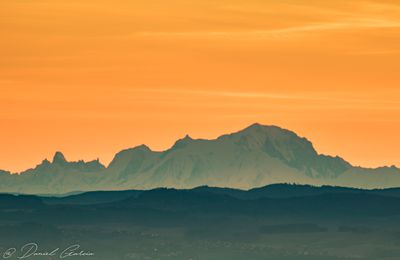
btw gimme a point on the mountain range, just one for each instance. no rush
(253, 157)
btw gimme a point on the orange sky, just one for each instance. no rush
(91, 77)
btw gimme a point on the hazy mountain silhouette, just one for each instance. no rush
(255, 156)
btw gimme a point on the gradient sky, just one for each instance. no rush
(91, 77)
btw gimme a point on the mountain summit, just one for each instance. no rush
(59, 158)
(255, 156)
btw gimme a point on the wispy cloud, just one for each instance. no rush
(376, 52)
(344, 24)
(321, 99)
(218, 93)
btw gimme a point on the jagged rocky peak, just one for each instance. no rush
(46, 162)
(59, 157)
(187, 138)
(183, 142)
(139, 148)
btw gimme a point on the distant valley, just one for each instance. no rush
(279, 222)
